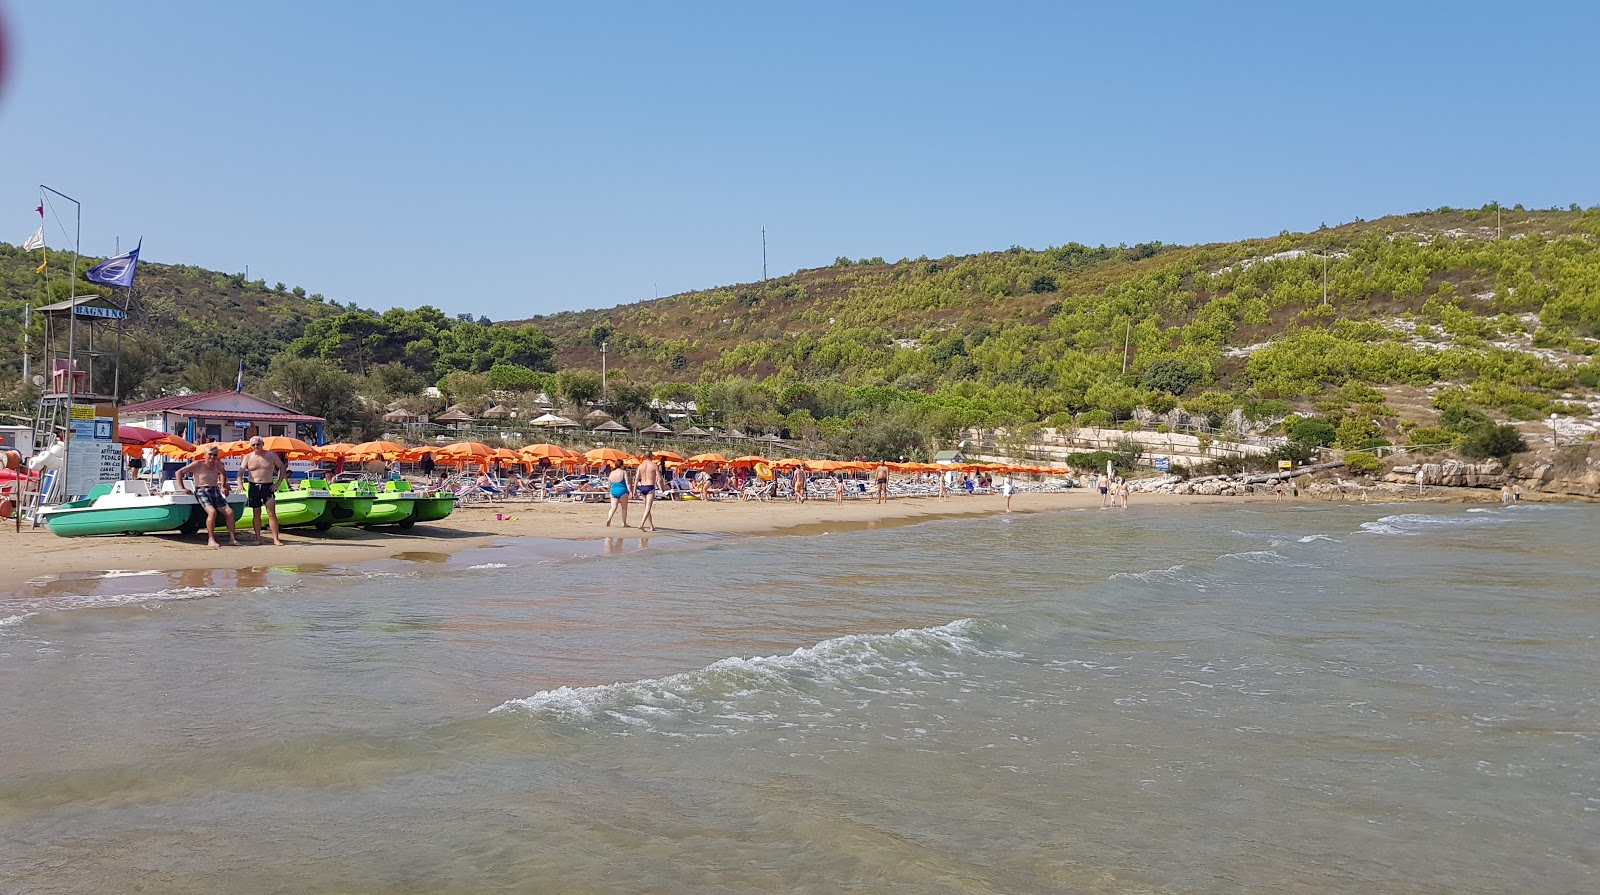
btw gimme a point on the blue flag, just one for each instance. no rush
(238, 384)
(116, 271)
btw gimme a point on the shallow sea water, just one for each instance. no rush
(1198, 699)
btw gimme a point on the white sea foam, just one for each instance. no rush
(850, 660)
(1408, 524)
(1170, 573)
(1267, 557)
(70, 602)
(1309, 538)
(488, 565)
(12, 620)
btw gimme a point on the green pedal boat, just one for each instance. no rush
(307, 503)
(372, 507)
(425, 507)
(130, 507)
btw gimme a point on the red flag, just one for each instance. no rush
(40, 209)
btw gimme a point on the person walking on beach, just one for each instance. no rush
(618, 477)
(1278, 487)
(648, 481)
(799, 484)
(1008, 488)
(944, 486)
(258, 474)
(1105, 490)
(1122, 491)
(881, 474)
(211, 492)
(1505, 493)
(1516, 493)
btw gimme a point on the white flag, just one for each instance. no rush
(36, 241)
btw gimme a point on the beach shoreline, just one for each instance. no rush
(37, 554)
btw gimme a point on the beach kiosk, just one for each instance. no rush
(223, 416)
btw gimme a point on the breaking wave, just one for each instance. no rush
(851, 661)
(1410, 524)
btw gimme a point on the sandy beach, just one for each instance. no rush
(33, 553)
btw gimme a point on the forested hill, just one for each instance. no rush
(190, 327)
(1509, 317)
(898, 355)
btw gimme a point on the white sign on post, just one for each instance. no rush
(93, 455)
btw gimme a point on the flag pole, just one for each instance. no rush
(72, 331)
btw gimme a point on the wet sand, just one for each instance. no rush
(36, 552)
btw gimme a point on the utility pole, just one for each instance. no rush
(763, 253)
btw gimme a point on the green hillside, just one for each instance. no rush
(1421, 312)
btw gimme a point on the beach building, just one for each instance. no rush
(946, 458)
(222, 416)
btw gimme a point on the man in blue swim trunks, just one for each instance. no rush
(618, 477)
(647, 480)
(211, 492)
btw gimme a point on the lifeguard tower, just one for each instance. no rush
(80, 370)
(81, 350)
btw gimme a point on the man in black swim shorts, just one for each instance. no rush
(263, 469)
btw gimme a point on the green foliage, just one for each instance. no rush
(577, 388)
(1425, 435)
(1493, 441)
(1171, 375)
(1362, 464)
(1356, 432)
(319, 388)
(1310, 430)
(517, 378)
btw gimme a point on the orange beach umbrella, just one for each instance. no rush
(606, 455)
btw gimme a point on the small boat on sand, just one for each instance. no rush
(127, 507)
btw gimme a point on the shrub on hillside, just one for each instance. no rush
(1431, 435)
(1310, 430)
(1170, 375)
(1095, 461)
(1100, 418)
(1493, 441)
(1362, 464)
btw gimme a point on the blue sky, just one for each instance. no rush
(518, 158)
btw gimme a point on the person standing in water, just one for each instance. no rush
(1122, 493)
(618, 477)
(1008, 488)
(881, 474)
(211, 492)
(1104, 485)
(258, 474)
(648, 481)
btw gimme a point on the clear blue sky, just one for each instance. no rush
(517, 158)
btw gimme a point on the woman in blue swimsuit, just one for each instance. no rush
(618, 477)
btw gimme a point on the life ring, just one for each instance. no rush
(764, 471)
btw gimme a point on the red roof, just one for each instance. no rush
(181, 405)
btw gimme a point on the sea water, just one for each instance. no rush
(1246, 698)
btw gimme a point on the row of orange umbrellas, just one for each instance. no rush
(477, 453)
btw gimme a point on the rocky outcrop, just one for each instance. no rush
(1450, 474)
